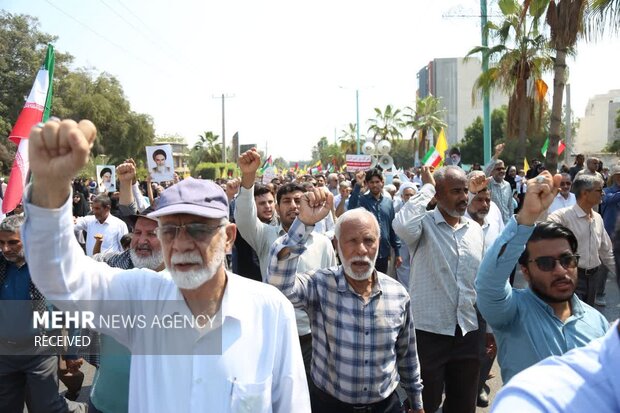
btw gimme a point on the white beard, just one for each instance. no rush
(190, 280)
(152, 263)
(358, 276)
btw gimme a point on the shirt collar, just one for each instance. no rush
(343, 284)
(438, 217)
(577, 309)
(580, 212)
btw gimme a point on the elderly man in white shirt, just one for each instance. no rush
(258, 365)
(104, 223)
(565, 198)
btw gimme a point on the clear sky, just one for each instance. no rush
(290, 67)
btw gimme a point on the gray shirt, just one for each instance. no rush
(444, 263)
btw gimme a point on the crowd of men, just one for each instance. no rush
(336, 293)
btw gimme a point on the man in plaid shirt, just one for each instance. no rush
(363, 338)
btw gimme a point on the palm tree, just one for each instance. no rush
(206, 149)
(426, 117)
(517, 63)
(603, 16)
(348, 139)
(386, 124)
(565, 19)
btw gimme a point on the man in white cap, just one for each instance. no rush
(258, 366)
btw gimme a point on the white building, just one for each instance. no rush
(598, 127)
(452, 80)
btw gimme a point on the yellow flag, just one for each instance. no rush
(526, 166)
(442, 145)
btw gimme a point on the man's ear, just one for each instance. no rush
(231, 234)
(526, 272)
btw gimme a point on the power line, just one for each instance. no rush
(87, 27)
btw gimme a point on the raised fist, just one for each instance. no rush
(249, 161)
(315, 205)
(59, 149)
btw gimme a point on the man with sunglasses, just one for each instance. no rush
(565, 198)
(240, 351)
(546, 318)
(595, 247)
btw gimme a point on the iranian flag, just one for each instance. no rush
(561, 148)
(36, 109)
(432, 157)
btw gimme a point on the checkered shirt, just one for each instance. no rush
(360, 350)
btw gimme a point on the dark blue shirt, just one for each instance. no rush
(609, 208)
(16, 315)
(383, 210)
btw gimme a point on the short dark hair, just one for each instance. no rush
(160, 152)
(261, 190)
(548, 230)
(287, 189)
(104, 200)
(126, 240)
(104, 171)
(372, 173)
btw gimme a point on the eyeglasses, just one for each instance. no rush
(567, 261)
(197, 231)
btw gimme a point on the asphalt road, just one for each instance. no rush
(611, 311)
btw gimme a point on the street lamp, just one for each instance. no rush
(357, 116)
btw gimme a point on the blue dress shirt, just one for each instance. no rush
(383, 210)
(584, 380)
(526, 328)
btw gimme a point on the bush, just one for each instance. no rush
(215, 170)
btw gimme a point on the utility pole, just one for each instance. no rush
(223, 97)
(486, 105)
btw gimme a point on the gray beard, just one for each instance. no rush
(152, 263)
(190, 280)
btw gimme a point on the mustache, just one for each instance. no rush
(360, 259)
(186, 258)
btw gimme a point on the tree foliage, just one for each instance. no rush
(386, 124)
(78, 94)
(471, 147)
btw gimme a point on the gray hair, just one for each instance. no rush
(104, 200)
(352, 214)
(12, 223)
(344, 184)
(583, 183)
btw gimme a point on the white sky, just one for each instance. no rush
(281, 61)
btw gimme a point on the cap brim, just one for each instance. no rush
(201, 211)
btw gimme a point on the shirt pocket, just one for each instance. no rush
(249, 397)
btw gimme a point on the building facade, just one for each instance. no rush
(452, 81)
(598, 127)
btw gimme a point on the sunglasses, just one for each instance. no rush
(568, 262)
(197, 231)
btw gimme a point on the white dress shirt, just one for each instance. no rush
(492, 226)
(444, 263)
(260, 368)
(560, 202)
(594, 245)
(112, 230)
(260, 236)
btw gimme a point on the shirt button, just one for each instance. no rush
(368, 332)
(365, 361)
(365, 388)
(198, 381)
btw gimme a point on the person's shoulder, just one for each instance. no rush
(392, 285)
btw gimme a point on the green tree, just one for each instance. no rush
(327, 153)
(425, 118)
(603, 17)
(121, 133)
(386, 124)
(22, 51)
(348, 139)
(471, 146)
(520, 57)
(206, 149)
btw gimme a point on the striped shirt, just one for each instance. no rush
(360, 350)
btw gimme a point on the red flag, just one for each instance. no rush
(35, 110)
